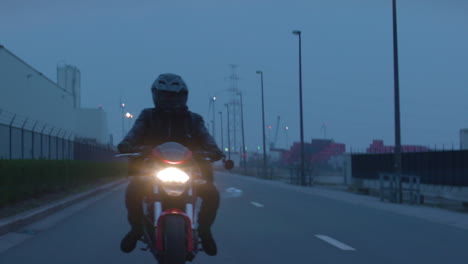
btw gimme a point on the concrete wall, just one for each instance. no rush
(26, 92)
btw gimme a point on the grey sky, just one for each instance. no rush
(121, 46)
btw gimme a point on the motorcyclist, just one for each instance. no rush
(170, 120)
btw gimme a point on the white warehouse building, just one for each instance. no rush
(27, 93)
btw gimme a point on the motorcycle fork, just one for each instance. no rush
(190, 212)
(189, 207)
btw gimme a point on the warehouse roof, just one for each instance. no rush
(32, 68)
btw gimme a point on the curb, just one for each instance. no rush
(16, 222)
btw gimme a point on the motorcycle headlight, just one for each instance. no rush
(172, 175)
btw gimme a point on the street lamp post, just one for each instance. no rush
(214, 116)
(244, 155)
(129, 118)
(213, 120)
(228, 132)
(303, 181)
(398, 165)
(122, 114)
(222, 133)
(263, 127)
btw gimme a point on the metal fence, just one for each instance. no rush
(433, 167)
(275, 170)
(24, 138)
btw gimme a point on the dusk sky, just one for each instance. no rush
(122, 46)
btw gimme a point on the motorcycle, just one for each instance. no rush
(171, 210)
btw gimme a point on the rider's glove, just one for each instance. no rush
(216, 155)
(145, 150)
(124, 147)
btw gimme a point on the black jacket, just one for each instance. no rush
(154, 127)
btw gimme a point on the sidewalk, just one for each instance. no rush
(15, 222)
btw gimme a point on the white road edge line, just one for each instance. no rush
(257, 204)
(335, 243)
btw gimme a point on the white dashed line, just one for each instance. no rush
(232, 192)
(257, 204)
(335, 243)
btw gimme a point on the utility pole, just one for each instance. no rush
(234, 106)
(263, 127)
(228, 133)
(244, 154)
(222, 133)
(214, 117)
(212, 108)
(398, 165)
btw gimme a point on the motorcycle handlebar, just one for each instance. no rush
(128, 155)
(228, 164)
(196, 154)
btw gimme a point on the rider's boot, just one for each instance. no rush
(207, 216)
(130, 240)
(133, 197)
(208, 243)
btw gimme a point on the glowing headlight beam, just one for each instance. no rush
(172, 175)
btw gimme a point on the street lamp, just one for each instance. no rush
(212, 107)
(398, 167)
(303, 182)
(263, 127)
(244, 155)
(129, 117)
(228, 132)
(222, 133)
(213, 100)
(122, 110)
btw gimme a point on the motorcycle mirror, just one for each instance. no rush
(229, 164)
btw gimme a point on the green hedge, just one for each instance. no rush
(25, 179)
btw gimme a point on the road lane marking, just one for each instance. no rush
(257, 204)
(232, 192)
(335, 243)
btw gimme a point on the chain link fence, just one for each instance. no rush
(25, 138)
(275, 170)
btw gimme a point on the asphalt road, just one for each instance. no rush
(257, 223)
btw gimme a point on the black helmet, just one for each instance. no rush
(170, 92)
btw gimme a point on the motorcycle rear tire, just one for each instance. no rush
(175, 240)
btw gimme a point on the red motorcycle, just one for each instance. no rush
(171, 209)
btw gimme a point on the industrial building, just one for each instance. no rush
(28, 95)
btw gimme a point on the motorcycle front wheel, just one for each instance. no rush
(175, 240)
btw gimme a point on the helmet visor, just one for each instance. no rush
(170, 100)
